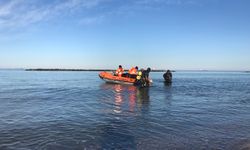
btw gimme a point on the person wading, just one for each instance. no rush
(142, 78)
(168, 76)
(145, 77)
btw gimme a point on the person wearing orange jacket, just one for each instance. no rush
(119, 71)
(133, 72)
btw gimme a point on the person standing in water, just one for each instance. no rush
(142, 78)
(168, 76)
(145, 77)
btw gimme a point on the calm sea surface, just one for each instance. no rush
(77, 110)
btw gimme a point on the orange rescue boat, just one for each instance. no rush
(111, 78)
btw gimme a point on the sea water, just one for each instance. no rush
(77, 110)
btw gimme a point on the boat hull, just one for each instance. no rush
(110, 78)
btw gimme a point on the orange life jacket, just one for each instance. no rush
(132, 71)
(119, 72)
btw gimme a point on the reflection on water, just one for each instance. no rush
(168, 92)
(143, 97)
(128, 101)
(118, 98)
(168, 84)
(134, 96)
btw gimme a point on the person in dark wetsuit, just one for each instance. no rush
(168, 76)
(142, 78)
(145, 77)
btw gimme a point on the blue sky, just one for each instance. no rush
(162, 34)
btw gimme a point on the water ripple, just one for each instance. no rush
(71, 110)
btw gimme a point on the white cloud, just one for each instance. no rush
(18, 13)
(91, 20)
(164, 2)
(21, 13)
(6, 8)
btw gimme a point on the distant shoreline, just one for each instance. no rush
(39, 69)
(94, 70)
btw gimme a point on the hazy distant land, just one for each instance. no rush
(40, 69)
(153, 70)
(95, 70)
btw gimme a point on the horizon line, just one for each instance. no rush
(107, 69)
